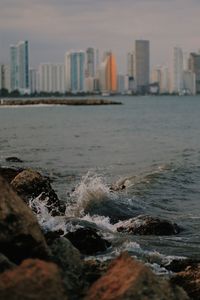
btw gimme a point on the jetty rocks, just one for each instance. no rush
(39, 266)
(147, 225)
(30, 184)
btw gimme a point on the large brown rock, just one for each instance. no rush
(30, 184)
(33, 279)
(147, 225)
(189, 280)
(128, 279)
(20, 234)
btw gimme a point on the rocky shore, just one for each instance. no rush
(36, 263)
(57, 101)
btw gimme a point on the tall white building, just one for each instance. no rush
(34, 81)
(51, 78)
(142, 65)
(19, 67)
(75, 65)
(177, 71)
(160, 75)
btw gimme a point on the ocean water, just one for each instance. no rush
(150, 144)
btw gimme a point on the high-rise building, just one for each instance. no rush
(90, 62)
(142, 65)
(194, 67)
(130, 64)
(19, 67)
(161, 77)
(189, 82)
(5, 77)
(75, 71)
(108, 74)
(177, 71)
(34, 81)
(52, 78)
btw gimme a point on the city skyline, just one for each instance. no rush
(53, 28)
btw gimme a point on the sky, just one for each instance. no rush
(53, 27)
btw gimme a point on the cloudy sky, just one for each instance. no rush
(55, 26)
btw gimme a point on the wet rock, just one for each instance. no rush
(5, 263)
(9, 173)
(128, 279)
(147, 225)
(30, 184)
(94, 269)
(14, 159)
(20, 235)
(189, 280)
(33, 279)
(88, 241)
(67, 257)
(178, 265)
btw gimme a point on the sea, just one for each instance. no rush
(149, 144)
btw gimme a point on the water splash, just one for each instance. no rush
(92, 188)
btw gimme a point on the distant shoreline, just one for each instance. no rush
(56, 101)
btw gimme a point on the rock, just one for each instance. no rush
(67, 257)
(178, 265)
(33, 279)
(14, 159)
(88, 241)
(189, 280)
(147, 225)
(30, 184)
(20, 234)
(9, 173)
(5, 263)
(94, 269)
(128, 279)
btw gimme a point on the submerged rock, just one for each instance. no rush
(88, 241)
(30, 184)
(33, 279)
(9, 173)
(67, 257)
(20, 234)
(189, 280)
(147, 225)
(128, 279)
(14, 159)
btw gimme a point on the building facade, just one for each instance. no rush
(177, 71)
(108, 74)
(75, 71)
(19, 67)
(52, 78)
(194, 67)
(142, 66)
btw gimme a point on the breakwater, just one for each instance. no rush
(57, 101)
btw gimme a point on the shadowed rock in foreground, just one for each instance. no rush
(10, 102)
(20, 234)
(33, 279)
(128, 279)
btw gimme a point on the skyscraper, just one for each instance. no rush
(75, 71)
(108, 74)
(90, 62)
(52, 78)
(177, 71)
(5, 77)
(194, 66)
(19, 67)
(142, 65)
